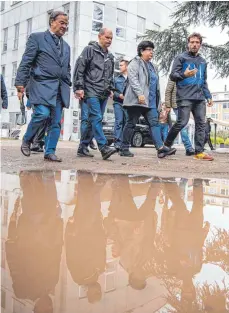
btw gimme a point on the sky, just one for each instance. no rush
(214, 36)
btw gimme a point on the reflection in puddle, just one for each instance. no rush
(81, 242)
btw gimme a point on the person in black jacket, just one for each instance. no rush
(207, 133)
(4, 96)
(119, 111)
(93, 83)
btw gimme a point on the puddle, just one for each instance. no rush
(81, 242)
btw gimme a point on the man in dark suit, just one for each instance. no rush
(46, 63)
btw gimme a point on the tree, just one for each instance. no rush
(173, 40)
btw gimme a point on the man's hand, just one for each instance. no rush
(168, 110)
(190, 73)
(20, 92)
(142, 99)
(79, 94)
(210, 103)
(121, 96)
(111, 94)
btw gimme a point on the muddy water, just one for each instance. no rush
(78, 242)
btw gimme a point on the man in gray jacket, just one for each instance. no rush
(142, 97)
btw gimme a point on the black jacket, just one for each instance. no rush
(4, 96)
(94, 71)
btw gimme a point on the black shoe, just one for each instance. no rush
(84, 152)
(52, 158)
(126, 153)
(92, 146)
(36, 148)
(117, 148)
(190, 152)
(107, 152)
(25, 148)
(165, 151)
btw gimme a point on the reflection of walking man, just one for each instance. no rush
(189, 71)
(208, 133)
(46, 62)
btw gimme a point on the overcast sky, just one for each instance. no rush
(214, 36)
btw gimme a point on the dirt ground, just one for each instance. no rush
(145, 162)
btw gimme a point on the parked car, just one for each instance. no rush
(141, 135)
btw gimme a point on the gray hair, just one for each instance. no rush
(103, 30)
(54, 15)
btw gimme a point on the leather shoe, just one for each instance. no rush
(84, 152)
(52, 158)
(25, 148)
(190, 152)
(36, 148)
(107, 152)
(165, 151)
(92, 146)
(126, 153)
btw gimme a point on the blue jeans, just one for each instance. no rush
(184, 135)
(46, 114)
(120, 119)
(151, 116)
(96, 108)
(164, 130)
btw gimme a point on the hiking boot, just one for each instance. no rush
(106, 152)
(126, 153)
(84, 152)
(190, 152)
(203, 156)
(165, 151)
(25, 148)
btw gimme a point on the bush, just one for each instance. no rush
(227, 142)
(219, 140)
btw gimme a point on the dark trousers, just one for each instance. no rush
(198, 109)
(120, 120)
(151, 116)
(208, 140)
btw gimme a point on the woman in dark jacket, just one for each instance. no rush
(142, 97)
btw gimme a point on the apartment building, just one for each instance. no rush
(126, 19)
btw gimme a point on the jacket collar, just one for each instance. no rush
(49, 39)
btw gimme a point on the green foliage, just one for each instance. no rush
(172, 41)
(219, 140)
(226, 142)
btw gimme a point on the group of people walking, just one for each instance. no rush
(136, 91)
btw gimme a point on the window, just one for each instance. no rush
(16, 36)
(2, 5)
(226, 96)
(48, 15)
(226, 116)
(15, 2)
(3, 299)
(121, 24)
(98, 17)
(14, 73)
(5, 38)
(141, 25)
(118, 58)
(66, 8)
(29, 27)
(215, 97)
(3, 71)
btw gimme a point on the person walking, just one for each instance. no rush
(170, 102)
(189, 71)
(93, 83)
(119, 111)
(142, 97)
(4, 96)
(46, 62)
(208, 133)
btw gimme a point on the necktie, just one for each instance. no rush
(58, 43)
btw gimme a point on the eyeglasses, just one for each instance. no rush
(149, 49)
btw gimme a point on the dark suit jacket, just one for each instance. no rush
(4, 96)
(46, 70)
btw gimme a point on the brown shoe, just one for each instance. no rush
(203, 156)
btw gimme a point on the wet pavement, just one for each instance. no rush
(73, 241)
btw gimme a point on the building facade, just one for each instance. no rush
(127, 20)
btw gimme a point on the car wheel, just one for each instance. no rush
(137, 140)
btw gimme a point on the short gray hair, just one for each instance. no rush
(54, 15)
(103, 30)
